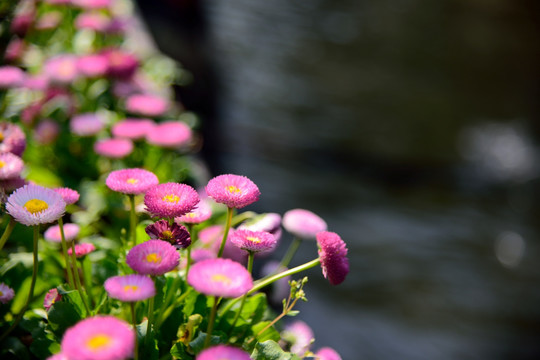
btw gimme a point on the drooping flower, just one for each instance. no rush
(146, 105)
(223, 352)
(130, 288)
(113, 148)
(33, 205)
(170, 200)
(61, 69)
(327, 353)
(93, 65)
(201, 213)
(12, 138)
(252, 241)
(303, 223)
(169, 134)
(46, 131)
(82, 249)
(269, 222)
(69, 196)
(153, 257)
(6, 293)
(51, 297)
(133, 129)
(333, 255)
(235, 191)
(99, 337)
(53, 233)
(299, 335)
(176, 235)
(87, 124)
(10, 166)
(220, 277)
(11, 77)
(131, 181)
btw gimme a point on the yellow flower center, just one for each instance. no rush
(153, 258)
(233, 189)
(167, 234)
(254, 239)
(132, 181)
(98, 342)
(1, 136)
(35, 206)
(128, 288)
(171, 198)
(221, 278)
(2, 164)
(1, 293)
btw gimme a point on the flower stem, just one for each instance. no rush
(132, 220)
(193, 239)
(78, 285)
(211, 323)
(225, 231)
(290, 252)
(251, 257)
(32, 285)
(7, 232)
(66, 257)
(134, 321)
(150, 319)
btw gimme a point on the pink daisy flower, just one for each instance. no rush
(201, 213)
(170, 200)
(220, 277)
(6, 293)
(99, 337)
(82, 249)
(38, 82)
(146, 105)
(327, 353)
(121, 64)
(253, 241)
(130, 288)
(69, 196)
(87, 124)
(202, 254)
(93, 65)
(169, 134)
(61, 69)
(11, 166)
(153, 257)
(51, 297)
(113, 148)
(11, 77)
(269, 222)
(131, 181)
(235, 191)
(300, 335)
(333, 255)
(303, 223)
(46, 132)
(52, 234)
(33, 205)
(211, 234)
(49, 20)
(133, 129)
(223, 352)
(12, 138)
(176, 235)
(92, 21)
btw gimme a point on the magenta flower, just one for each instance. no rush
(146, 105)
(333, 255)
(169, 134)
(87, 124)
(99, 337)
(34, 205)
(82, 249)
(176, 235)
(12, 138)
(201, 213)
(300, 335)
(223, 352)
(93, 65)
(52, 234)
(38, 82)
(327, 353)
(252, 241)
(303, 223)
(131, 181)
(95, 21)
(69, 196)
(61, 69)
(235, 191)
(121, 64)
(11, 166)
(130, 288)
(46, 132)
(153, 257)
(11, 77)
(51, 297)
(6, 293)
(211, 234)
(220, 277)
(170, 200)
(269, 222)
(113, 148)
(133, 129)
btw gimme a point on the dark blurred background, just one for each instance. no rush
(412, 128)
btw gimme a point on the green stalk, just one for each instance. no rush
(134, 321)
(66, 257)
(193, 239)
(78, 285)
(150, 318)
(132, 220)
(251, 257)
(211, 323)
(32, 285)
(225, 231)
(290, 252)
(7, 232)
(250, 270)
(87, 278)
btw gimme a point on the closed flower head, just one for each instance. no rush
(235, 191)
(220, 277)
(52, 234)
(169, 134)
(131, 181)
(133, 129)
(82, 249)
(146, 105)
(153, 257)
(333, 255)
(6, 293)
(69, 196)
(170, 200)
(113, 148)
(33, 205)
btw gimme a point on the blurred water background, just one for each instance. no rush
(412, 128)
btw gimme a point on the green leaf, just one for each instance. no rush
(198, 344)
(62, 315)
(254, 308)
(270, 350)
(179, 351)
(269, 334)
